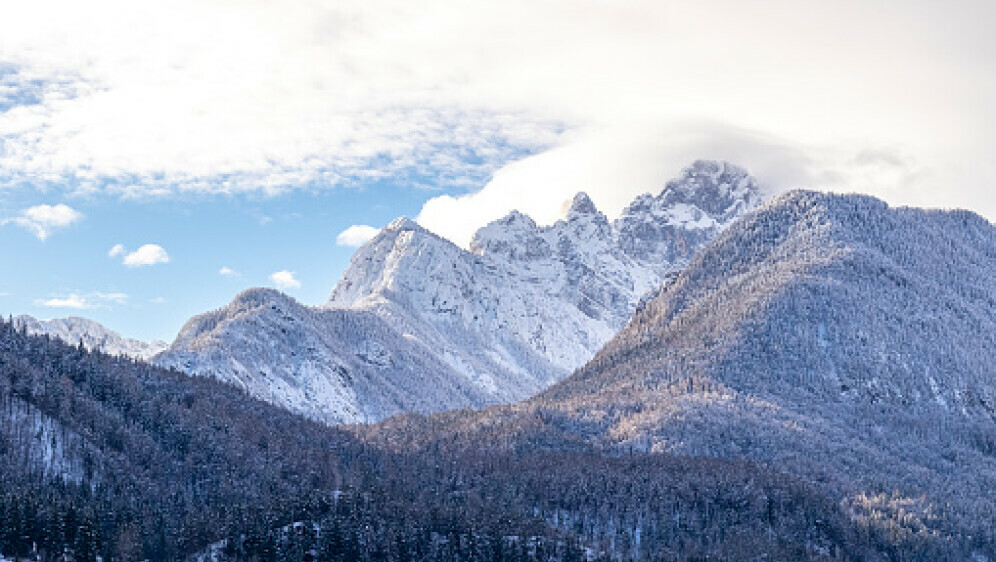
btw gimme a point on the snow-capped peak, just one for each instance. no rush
(402, 224)
(257, 296)
(714, 187)
(538, 299)
(689, 210)
(580, 204)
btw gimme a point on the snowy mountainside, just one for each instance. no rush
(95, 336)
(543, 295)
(516, 312)
(336, 366)
(832, 336)
(840, 297)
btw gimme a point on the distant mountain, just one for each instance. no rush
(95, 336)
(518, 311)
(825, 336)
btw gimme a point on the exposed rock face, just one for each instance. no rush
(689, 211)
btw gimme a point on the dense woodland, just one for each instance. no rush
(105, 456)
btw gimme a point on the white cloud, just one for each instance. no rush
(41, 220)
(158, 300)
(356, 235)
(285, 280)
(447, 92)
(228, 272)
(148, 254)
(335, 104)
(72, 300)
(116, 250)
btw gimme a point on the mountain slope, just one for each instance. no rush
(833, 337)
(837, 297)
(518, 311)
(332, 365)
(829, 337)
(94, 336)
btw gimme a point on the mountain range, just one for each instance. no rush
(419, 324)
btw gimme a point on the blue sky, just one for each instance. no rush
(206, 134)
(252, 236)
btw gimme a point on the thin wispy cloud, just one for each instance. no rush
(42, 220)
(228, 272)
(285, 280)
(77, 301)
(356, 235)
(116, 298)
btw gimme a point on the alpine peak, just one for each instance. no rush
(580, 204)
(403, 224)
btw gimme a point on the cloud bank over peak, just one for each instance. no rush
(101, 97)
(613, 167)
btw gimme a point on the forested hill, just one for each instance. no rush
(133, 461)
(833, 337)
(104, 456)
(838, 297)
